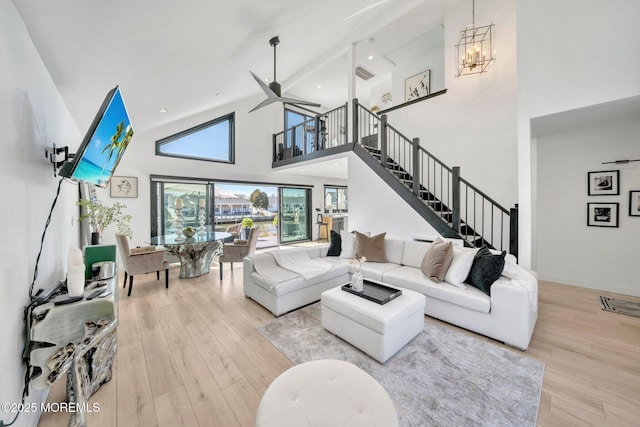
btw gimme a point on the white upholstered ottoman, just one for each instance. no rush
(326, 393)
(378, 330)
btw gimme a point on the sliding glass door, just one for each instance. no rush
(295, 215)
(235, 202)
(192, 195)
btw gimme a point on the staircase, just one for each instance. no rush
(450, 204)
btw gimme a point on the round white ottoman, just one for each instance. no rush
(326, 393)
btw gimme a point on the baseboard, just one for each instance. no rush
(615, 288)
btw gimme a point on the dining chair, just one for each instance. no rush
(144, 260)
(236, 251)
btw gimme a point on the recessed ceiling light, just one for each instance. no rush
(319, 86)
(370, 57)
(162, 110)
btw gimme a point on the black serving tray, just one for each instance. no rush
(380, 294)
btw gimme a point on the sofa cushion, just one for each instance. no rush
(335, 247)
(460, 266)
(375, 270)
(413, 278)
(372, 248)
(437, 260)
(290, 281)
(486, 269)
(414, 252)
(348, 244)
(394, 249)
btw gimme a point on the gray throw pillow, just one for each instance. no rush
(437, 260)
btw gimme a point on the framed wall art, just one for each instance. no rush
(602, 214)
(604, 183)
(124, 187)
(634, 203)
(417, 86)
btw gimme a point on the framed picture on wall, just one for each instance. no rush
(602, 214)
(604, 183)
(417, 86)
(634, 203)
(124, 186)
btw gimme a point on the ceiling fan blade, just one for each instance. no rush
(298, 101)
(265, 103)
(263, 85)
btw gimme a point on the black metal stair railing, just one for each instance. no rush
(473, 215)
(470, 213)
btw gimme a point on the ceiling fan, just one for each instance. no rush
(273, 91)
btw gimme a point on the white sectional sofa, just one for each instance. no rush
(508, 315)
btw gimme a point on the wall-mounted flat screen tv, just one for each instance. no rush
(103, 145)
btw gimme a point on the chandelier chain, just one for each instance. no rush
(473, 13)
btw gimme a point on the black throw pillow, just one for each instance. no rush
(486, 269)
(335, 247)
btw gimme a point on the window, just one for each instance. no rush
(294, 214)
(211, 141)
(336, 199)
(304, 134)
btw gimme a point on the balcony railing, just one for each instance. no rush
(470, 212)
(324, 131)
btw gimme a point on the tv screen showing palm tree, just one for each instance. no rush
(103, 145)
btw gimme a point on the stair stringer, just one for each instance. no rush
(407, 195)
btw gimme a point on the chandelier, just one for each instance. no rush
(474, 49)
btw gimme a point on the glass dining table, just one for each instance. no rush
(195, 253)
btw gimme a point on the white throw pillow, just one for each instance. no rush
(460, 266)
(348, 244)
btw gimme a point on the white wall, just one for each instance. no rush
(571, 54)
(253, 155)
(32, 117)
(567, 250)
(374, 207)
(426, 52)
(474, 124)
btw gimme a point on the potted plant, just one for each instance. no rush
(247, 223)
(100, 216)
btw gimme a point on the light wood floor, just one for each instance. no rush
(191, 356)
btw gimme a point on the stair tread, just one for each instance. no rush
(433, 203)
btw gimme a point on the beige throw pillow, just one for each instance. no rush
(371, 247)
(437, 260)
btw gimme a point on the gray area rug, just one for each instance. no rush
(630, 308)
(441, 378)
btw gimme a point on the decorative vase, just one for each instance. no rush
(357, 282)
(75, 272)
(202, 219)
(96, 238)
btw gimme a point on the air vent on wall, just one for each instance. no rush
(364, 74)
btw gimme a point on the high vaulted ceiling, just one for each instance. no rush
(191, 56)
